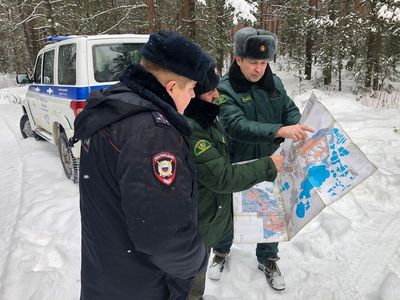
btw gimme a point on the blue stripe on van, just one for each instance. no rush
(66, 92)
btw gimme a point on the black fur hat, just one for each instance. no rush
(209, 83)
(174, 52)
(255, 43)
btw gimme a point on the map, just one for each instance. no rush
(316, 173)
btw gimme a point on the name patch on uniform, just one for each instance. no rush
(246, 98)
(201, 146)
(164, 167)
(221, 99)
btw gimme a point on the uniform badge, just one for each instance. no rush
(164, 167)
(246, 98)
(263, 48)
(221, 99)
(201, 146)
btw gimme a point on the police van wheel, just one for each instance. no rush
(69, 162)
(25, 127)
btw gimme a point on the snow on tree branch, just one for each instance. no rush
(389, 13)
(242, 10)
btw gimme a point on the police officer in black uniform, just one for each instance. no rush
(137, 179)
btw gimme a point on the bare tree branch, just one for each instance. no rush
(129, 7)
(30, 17)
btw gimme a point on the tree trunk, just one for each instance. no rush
(30, 36)
(312, 12)
(276, 32)
(187, 20)
(50, 19)
(151, 16)
(368, 62)
(377, 61)
(327, 69)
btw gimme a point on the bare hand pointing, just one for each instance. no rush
(296, 132)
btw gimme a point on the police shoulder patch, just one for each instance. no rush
(164, 167)
(201, 146)
(246, 98)
(221, 99)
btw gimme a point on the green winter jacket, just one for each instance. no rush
(217, 177)
(251, 113)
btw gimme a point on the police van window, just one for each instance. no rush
(110, 60)
(67, 64)
(48, 67)
(37, 77)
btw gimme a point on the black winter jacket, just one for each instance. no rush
(137, 194)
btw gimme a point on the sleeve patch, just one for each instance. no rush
(201, 146)
(164, 167)
(221, 99)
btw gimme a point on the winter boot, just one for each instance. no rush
(273, 274)
(217, 266)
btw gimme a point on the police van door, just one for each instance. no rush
(46, 90)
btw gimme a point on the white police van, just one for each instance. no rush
(65, 72)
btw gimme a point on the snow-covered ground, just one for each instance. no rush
(7, 80)
(349, 251)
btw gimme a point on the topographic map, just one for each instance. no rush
(316, 172)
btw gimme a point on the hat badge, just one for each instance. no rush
(263, 48)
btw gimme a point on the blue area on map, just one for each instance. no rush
(340, 138)
(301, 208)
(340, 169)
(285, 186)
(315, 178)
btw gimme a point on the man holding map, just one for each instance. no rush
(257, 116)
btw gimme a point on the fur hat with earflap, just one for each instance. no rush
(255, 43)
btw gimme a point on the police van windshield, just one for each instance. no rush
(111, 59)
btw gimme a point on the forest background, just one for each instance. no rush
(318, 39)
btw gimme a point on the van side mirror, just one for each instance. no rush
(23, 78)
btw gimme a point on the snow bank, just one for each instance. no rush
(14, 95)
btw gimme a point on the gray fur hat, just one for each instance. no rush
(255, 43)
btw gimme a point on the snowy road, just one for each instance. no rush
(350, 251)
(39, 218)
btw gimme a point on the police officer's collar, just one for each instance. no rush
(202, 112)
(145, 79)
(143, 83)
(240, 84)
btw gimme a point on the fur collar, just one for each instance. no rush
(202, 112)
(147, 86)
(240, 84)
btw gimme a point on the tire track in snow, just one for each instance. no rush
(12, 179)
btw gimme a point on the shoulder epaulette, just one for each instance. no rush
(159, 118)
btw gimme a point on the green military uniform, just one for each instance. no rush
(251, 114)
(217, 177)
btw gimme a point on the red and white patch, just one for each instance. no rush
(164, 167)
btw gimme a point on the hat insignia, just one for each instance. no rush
(263, 48)
(164, 167)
